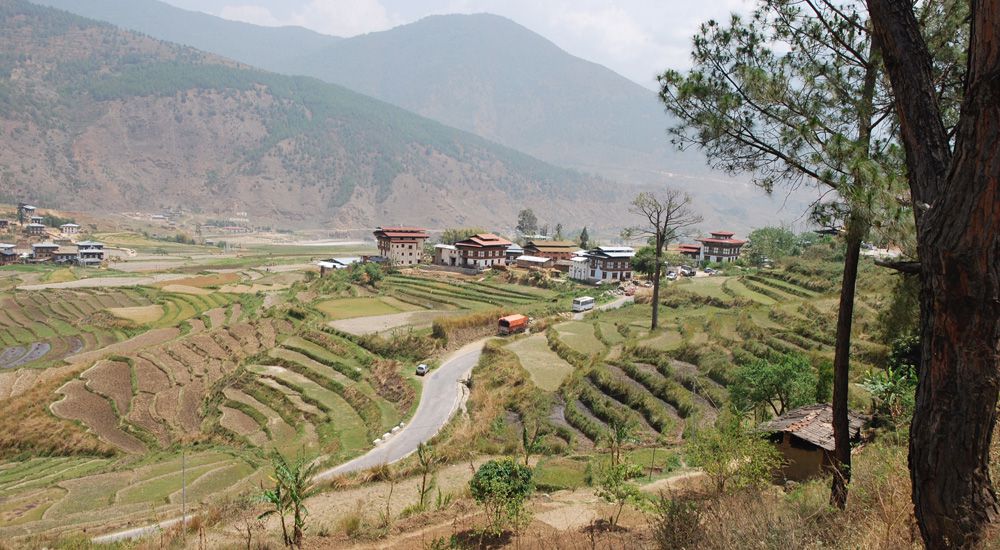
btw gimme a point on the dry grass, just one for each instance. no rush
(140, 315)
(30, 428)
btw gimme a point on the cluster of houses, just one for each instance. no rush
(404, 246)
(62, 250)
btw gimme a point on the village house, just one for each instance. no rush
(90, 253)
(401, 245)
(445, 254)
(579, 268)
(513, 252)
(537, 262)
(43, 252)
(66, 255)
(609, 263)
(804, 437)
(720, 247)
(69, 229)
(557, 250)
(692, 251)
(37, 219)
(34, 229)
(8, 254)
(25, 212)
(482, 251)
(334, 264)
(4, 224)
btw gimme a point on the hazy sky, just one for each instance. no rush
(637, 38)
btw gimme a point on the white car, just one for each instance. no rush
(422, 369)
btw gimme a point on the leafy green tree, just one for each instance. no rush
(779, 385)
(664, 215)
(292, 486)
(454, 234)
(620, 433)
(527, 222)
(734, 457)
(771, 243)
(644, 261)
(502, 487)
(616, 486)
(584, 239)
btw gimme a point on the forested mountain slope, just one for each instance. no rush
(96, 118)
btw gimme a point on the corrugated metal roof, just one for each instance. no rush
(814, 423)
(533, 259)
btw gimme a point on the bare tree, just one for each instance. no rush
(666, 214)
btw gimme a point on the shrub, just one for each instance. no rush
(501, 487)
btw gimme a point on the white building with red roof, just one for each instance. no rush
(401, 245)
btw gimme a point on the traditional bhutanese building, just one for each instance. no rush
(557, 250)
(401, 245)
(482, 251)
(610, 263)
(720, 247)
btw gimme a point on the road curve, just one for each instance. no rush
(442, 394)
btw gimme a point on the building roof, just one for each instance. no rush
(579, 259)
(35, 225)
(553, 246)
(612, 252)
(89, 243)
(64, 250)
(69, 225)
(445, 246)
(45, 245)
(402, 232)
(534, 259)
(723, 234)
(27, 207)
(814, 423)
(483, 240)
(707, 240)
(514, 247)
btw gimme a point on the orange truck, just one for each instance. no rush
(512, 324)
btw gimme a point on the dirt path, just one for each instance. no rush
(107, 282)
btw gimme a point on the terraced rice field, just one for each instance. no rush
(454, 293)
(347, 308)
(580, 336)
(547, 370)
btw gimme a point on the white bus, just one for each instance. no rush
(583, 303)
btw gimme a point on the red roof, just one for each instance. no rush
(725, 234)
(691, 247)
(722, 241)
(402, 232)
(484, 240)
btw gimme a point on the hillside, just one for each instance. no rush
(103, 119)
(487, 75)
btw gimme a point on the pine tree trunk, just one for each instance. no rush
(842, 365)
(957, 199)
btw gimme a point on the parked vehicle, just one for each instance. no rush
(422, 369)
(687, 271)
(671, 276)
(710, 271)
(512, 324)
(583, 303)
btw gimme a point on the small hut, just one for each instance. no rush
(804, 437)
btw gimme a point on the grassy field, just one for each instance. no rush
(346, 308)
(547, 369)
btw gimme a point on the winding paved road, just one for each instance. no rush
(442, 394)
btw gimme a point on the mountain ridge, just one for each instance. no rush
(98, 116)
